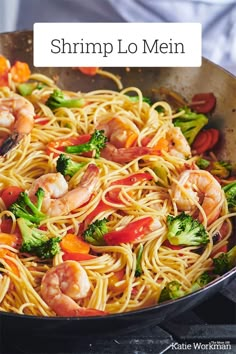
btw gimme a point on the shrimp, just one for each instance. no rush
(201, 187)
(123, 155)
(17, 115)
(178, 145)
(121, 132)
(58, 200)
(65, 284)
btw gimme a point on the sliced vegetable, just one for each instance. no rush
(91, 71)
(8, 239)
(203, 102)
(221, 169)
(99, 209)
(26, 89)
(72, 243)
(4, 69)
(3, 254)
(20, 71)
(96, 143)
(10, 194)
(130, 232)
(95, 232)
(190, 124)
(127, 181)
(61, 144)
(78, 257)
(57, 99)
(205, 140)
(202, 163)
(138, 270)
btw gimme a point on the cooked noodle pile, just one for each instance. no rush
(114, 286)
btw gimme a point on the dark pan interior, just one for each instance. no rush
(187, 81)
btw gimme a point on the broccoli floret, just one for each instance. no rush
(138, 270)
(97, 142)
(57, 99)
(225, 261)
(24, 208)
(26, 89)
(203, 163)
(190, 124)
(171, 291)
(230, 194)
(95, 232)
(161, 172)
(67, 167)
(201, 281)
(36, 242)
(184, 230)
(148, 100)
(136, 99)
(221, 169)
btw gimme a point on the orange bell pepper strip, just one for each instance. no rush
(5, 252)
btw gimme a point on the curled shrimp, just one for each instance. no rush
(123, 155)
(17, 115)
(178, 145)
(199, 186)
(65, 284)
(57, 199)
(122, 134)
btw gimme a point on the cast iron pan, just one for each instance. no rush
(187, 81)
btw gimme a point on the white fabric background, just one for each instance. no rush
(218, 18)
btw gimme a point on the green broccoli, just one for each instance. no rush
(148, 100)
(24, 208)
(138, 270)
(183, 229)
(95, 232)
(201, 281)
(172, 290)
(190, 124)
(67, 167)
(202, 163)
(57, 99)
(36, 242)
(97, 142)
(26, 89)
(136, 99)
(225, 261)
(230, 194)
(221, 169)
(161, 172)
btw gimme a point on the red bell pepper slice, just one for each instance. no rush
(113, 195)
(99, 209)
(61, 144)
(129, 233)
(10, 194)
